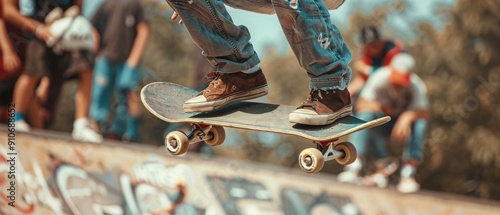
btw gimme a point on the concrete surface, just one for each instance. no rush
(56, 175)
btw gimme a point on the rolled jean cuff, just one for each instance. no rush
(331, 83)
(230, 66)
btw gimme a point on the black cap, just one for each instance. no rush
(369, 34)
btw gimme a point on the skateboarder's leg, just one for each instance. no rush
(227, 47)
(257, 6)
(316, 42)
(322, 52)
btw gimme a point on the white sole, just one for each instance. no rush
(315, 119)
(213, 105)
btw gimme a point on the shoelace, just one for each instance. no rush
(319, 94)
(211, 76)
(308, 103)
(312, 96)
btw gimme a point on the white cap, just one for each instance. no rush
(403, 62)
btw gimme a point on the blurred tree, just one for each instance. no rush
(461, 66)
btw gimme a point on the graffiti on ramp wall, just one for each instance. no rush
(72, 178)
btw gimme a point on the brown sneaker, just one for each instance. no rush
(323, 107)
(228, 88)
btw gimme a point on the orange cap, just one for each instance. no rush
(400, 78)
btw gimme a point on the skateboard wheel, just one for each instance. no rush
(349, 150)
(177, 143)
(311, 160)
(217, 134)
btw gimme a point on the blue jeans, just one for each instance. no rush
(315, 41)
(107, 79)
(377, 137)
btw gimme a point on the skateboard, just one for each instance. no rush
(165, 100)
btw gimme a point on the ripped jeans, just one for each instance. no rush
(108, 78)
(315, 41)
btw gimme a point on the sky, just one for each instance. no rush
(265, 29)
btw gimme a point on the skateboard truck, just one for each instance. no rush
(311, 160)
(177, 142)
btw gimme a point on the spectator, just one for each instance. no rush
(397, 92)
(377, 53)
(9, 68)
(124, 34)
(57, 65)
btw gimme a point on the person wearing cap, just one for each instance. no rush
(377, 52)
(397, 92)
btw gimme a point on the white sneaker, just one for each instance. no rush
(385, 168)
(349, 176)
(408, 185)
(22, 126)
(351, 172)
(376, 179)
(86, 134)
(83, 132)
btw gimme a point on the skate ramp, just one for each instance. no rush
(56, 175)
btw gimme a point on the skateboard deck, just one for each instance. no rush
(165, 100)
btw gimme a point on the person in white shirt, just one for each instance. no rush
(397, 92)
